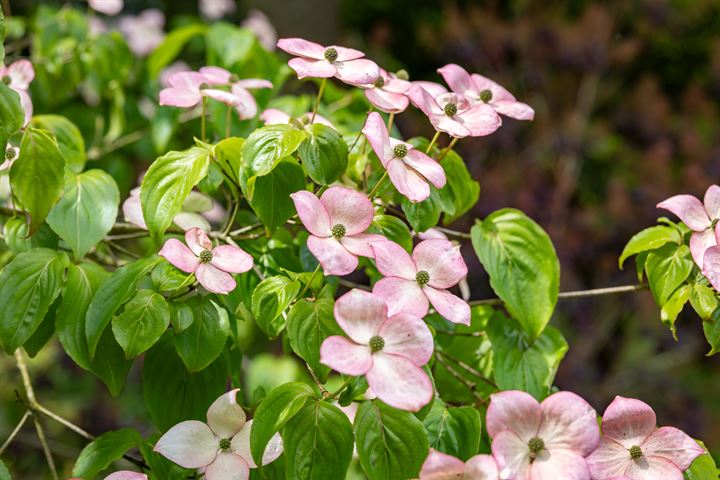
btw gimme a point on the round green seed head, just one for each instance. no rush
(486, 96)
(338, 231)
(635, 452)
(536, 445)
(331, 54)
(422, 277)
(206, 256)
(225, 444)
(376, 344)
(400, 151)
(450, 109)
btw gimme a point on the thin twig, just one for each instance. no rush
(14, 433)
(472, 371)
(349, 284)
(453, 233)
(460, 334)
(594, 292)
(317, 381)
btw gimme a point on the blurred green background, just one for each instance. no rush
(626, 115)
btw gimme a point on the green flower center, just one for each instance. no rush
(9, 153)
(635, 452)
(536, 445)
(380, 82)
(338, 231)
(331, 54)
(206, 256)
(6, 79)
(376, 344)
(204, 85)
(486, 96)
(422, 277)
(400, 150)
(450, 109)
(225, 444)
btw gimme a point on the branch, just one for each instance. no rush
(472, 371)
(594, 292)
(460, 378)
(15, 431)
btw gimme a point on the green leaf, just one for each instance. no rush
(69, 139)
(393, 229)
(281, 404)
(454, 430)
(270, 299)
(114, 292)
(263, 150)
(11, 114)
(228, 154)
(204, 340)
(110, 364)
(667, 267)
(519, 362)
(523, 266)
(228, 44)
(324, 154)
(17, 240)
(672, 308)
(702, 468)
(171, 393)
(43, 333)
(703, 300)
(144, 319)
(28, 286)
(272, 202)
(460, 192)
(2, 57)
(181, 316)
(104, 450)
(171, 47)
(4, 472)
(318, 442)
(37, 176)
(649, 239)
(167, 184)
(711, 328)
(423, 215)
(87, 210)
(391, 443)
(308, 324)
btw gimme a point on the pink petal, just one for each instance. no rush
(132, 211)
(357, 72)
(569, 423)
(345, 54)
(711, 266)
(394, 84)
(408, 182)
(216, 75)
(428, 168)
(345, 356)
(440, 466)
(360, 314)
(21, 73)
(512, 456)
(393, 261)
(197, 240)
(432, 234)
(361, 244)
(246, 106)
(126, 475)
(108, 7)
(225, 417)
(609, 460)
(699, 243)
(423, 100)
(377, 135)
(312, 68)
(433, 88)
(349, 208)
(398, 382)
(221, 96)
(214, 280)
(689, 210)
(481, 120)
(179, 97)
(190, 444)
(302, 48)
(188, 220)
(459, 80)
(499, 93)
(516, 411)
(312, 213)
(653, 468)
(334, 258)
(673, 445)
(231, 259)
(228, 466)
(389, 102)
(187, 80)
(451, 126)
(712, 201)
(402, 296)
(408, 336)
(442, 260)
(27, 105)
(555, 464)
(273, 116)
(628, 421)
(241, 446)
(513, 109)
(451, 307)
(481, 467)
(254, 83)
(179, 255)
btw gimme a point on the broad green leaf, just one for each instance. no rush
(308, 324)
(228, 44)
(171, 393)
(672, 308)
(423, 215)
(4, 472)
(29, 284)
(324, 154)
(204, 340)
(454, 430)
(281, 404)
(393, 229)
(391, 443)
(110, 364)
(521, 363)
(460, 192)
(167, 184)
(703, 300)
(143, 321)
(228, 154)
(522, 264)
(270, 299)
(711, 328)
(43, 333)
(104, 450)
(15, 231)
(702, 468)
(87, 210)
(272, 202)
(69, 139)
(181, 316)
(37, 176)
(318, 440)
(167, 278)
(11, 114)
(667, 267)
(114, 292)
(171, 47)
(649, 239)
(263, 150)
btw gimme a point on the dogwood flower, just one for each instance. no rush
(387, 93)
(409, 169)
(17, 76)
(701, 218)
(108, 7)
(388, 351)
(143, 31)
(482, 89)
(273, 116)
(216, 9)
(258, 23)
(187, 89)
(337, 222)
(453, 113)
(187, 219)
(314, 60)
(126, 475)
(411, 283)
(246, 105)
(212, 266)
(440, 466)
(542, 441)
(221, 447)
(633, 447)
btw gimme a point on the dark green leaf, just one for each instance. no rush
(228, 154)
(324, 154)
(667, 267)
(423, 215)
(104, 450)
(394, 229)
(11, 114)
(270, 299)
(181, 316)
(110, 364)
(649, 239)
(461, 192)
(454, 430)
(272, 202)
(308, 324)
(144, 319)
(204, 340)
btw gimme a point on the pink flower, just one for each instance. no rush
(314, 60)
(483, 90)
(410, 170)
(387, 93)
(212, 266)
(221, 447)
(412, 283)
(632, 446)
(337, 222)
(11, 154)
(143, 31)
(542, 441)
(260, 25)
(17, 76)
(216, 9)
(246, 105)
(273, 116)
(126, 475)
(388, 351)
(187, 219)
(453, 113)
(440, 466)
(170, 70)
(108, 7)
(187, 89)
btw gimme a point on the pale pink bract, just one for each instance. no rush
(387, 93)
(18, 76)
(108, 7)
(216, 9)
(187, 219)
(245, 105)
(187, 89)
(440, 466)
(126, 475)
(260, 25)
(144, 31)
(273, 116)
